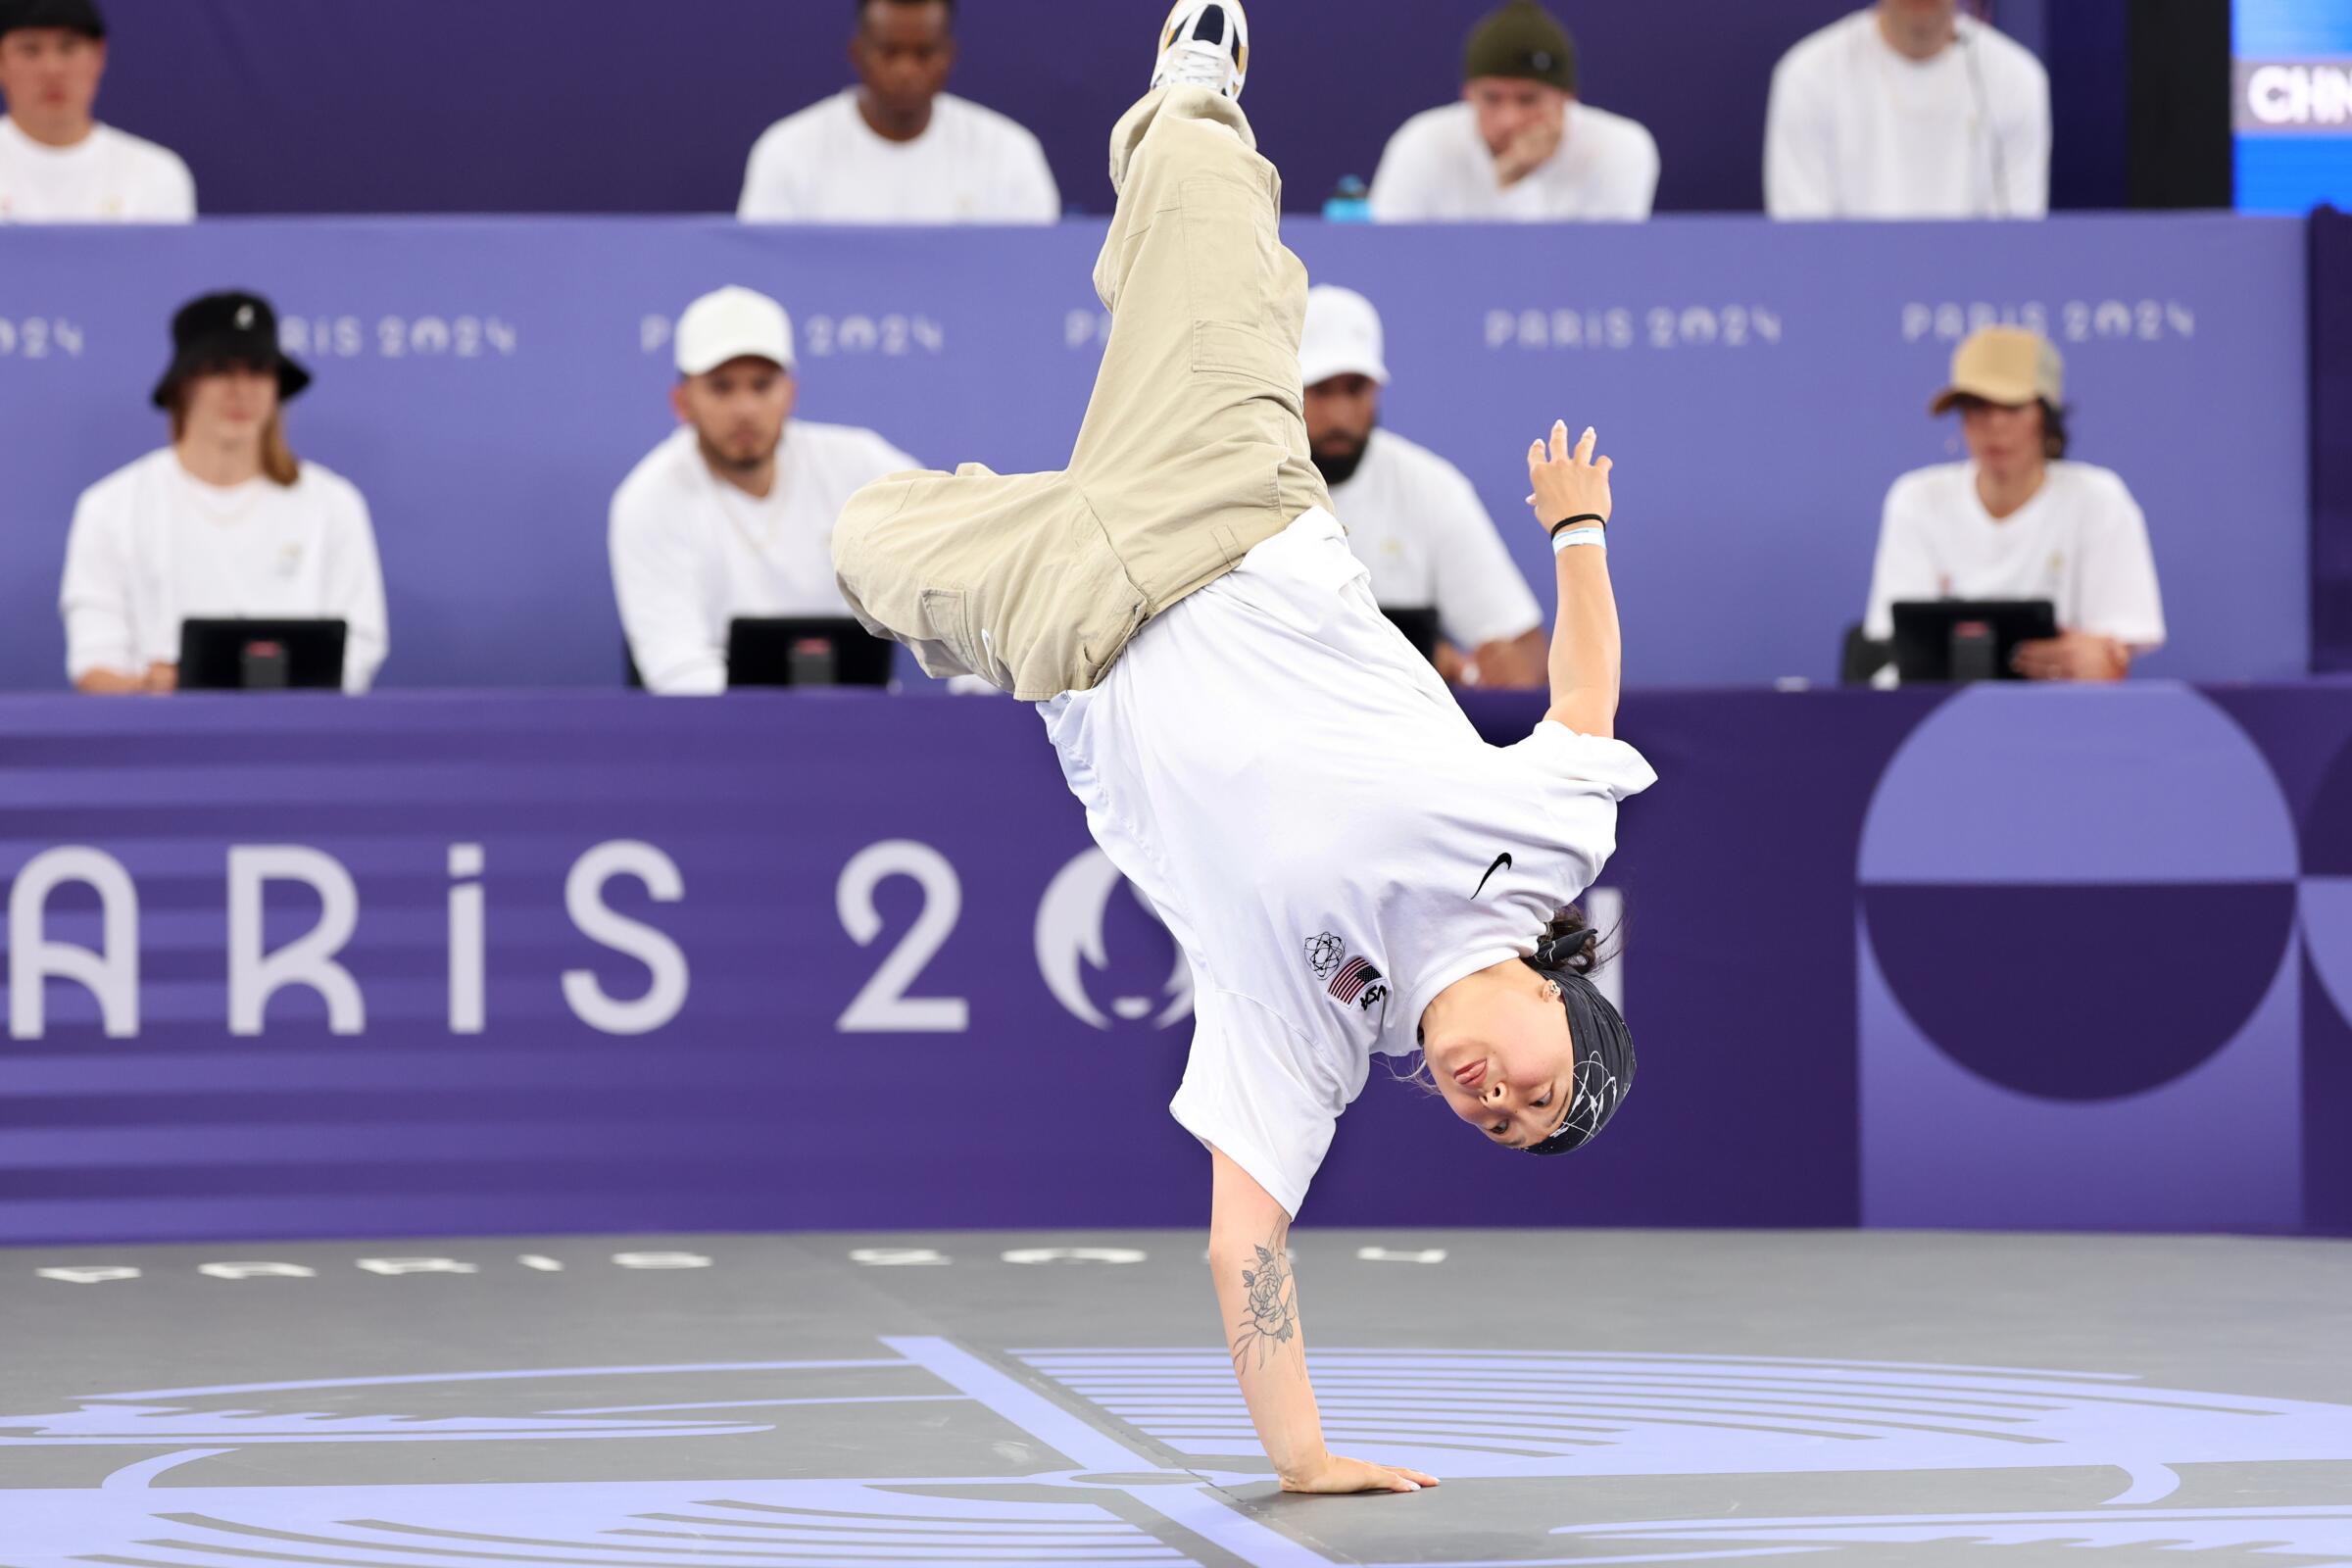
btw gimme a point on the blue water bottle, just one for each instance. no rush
(1349, 203)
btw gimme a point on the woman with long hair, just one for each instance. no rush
(223, 521)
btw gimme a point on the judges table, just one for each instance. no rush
(487, 383)
(441, 964)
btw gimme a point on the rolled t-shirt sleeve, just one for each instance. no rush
(1580, 779)
(1247, 1092)
(1585, 766)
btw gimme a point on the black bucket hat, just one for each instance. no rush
(228, 329)
(74, 15)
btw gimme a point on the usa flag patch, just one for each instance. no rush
(1353, 977)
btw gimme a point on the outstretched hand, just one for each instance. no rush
(1567, 483)
(1338, 1475)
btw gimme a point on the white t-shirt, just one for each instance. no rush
(692, 551)
(1438, 170)
(826, 166)
(109, 176)
(1856, 129)
(1416, 521)
(2082, 543)
(152, 546)
(1295, 792)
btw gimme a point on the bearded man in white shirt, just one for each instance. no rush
(1521, 146)
(1411, 516)
(2019, 521)
(732, 515)
(1908, 110)
(57, 163)
(224, 522)
(899, 148)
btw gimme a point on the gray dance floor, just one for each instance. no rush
(728, 1401)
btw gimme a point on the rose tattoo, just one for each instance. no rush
(1273, 1315)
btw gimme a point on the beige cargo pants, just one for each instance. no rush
(1193, 452)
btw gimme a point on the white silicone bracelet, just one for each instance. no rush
(1580, 536)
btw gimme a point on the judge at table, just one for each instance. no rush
(2020, 520)
(223, 521)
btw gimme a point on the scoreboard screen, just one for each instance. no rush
(2294, 103)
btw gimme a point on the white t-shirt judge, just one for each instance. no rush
(691, 551)
(826, 166)
(109, 176)
(152, 546)
(1438, 170)
(1416, 521)
(1291, 785)
(1857, 130)
(2082, 543)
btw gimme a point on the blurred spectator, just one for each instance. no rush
(733, 513)
(2018, 521)
(1908, 110)
(57, 163)
(224, 522)
(897, 148)
(1521, 145)
(1411, 516)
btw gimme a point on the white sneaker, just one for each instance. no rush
(1205, 43)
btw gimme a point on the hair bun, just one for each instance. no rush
(1570, 942)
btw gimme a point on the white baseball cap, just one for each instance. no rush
(733, 323)
(1343, 337)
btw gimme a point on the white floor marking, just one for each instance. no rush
(138, 1477)
(1197, 1507)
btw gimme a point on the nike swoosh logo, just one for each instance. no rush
(1502, 863)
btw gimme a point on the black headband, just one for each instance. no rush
(1605, 1050)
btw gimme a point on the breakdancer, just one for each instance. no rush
(1350, 870)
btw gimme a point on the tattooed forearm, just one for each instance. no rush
(1271, 1319)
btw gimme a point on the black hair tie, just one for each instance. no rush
(1586, 517)
(1555, 952)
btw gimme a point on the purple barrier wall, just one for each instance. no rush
(487, 384)
(730, 953)
(2331, 440)
(601, 106)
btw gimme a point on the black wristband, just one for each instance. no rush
(1586, 517)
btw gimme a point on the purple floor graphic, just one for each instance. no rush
(1477, 1416)
(929, 1448)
